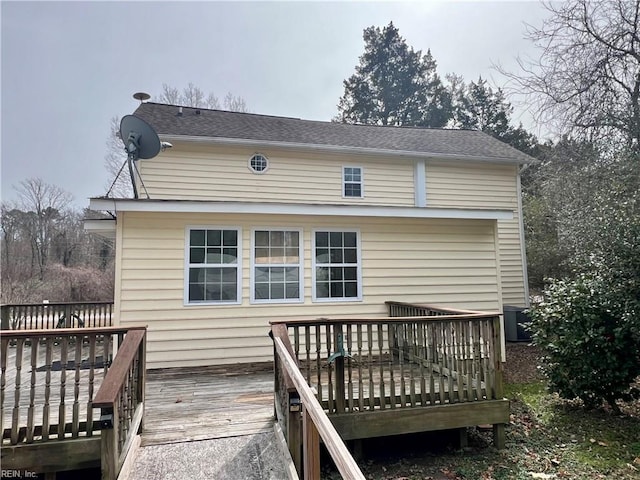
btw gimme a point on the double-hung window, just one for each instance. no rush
(277, 266)
(336, 266)
(213, 265)
(352, 182)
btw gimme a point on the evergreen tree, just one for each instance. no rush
(394, 85)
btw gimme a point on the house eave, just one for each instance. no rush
(194, 206)
(356, 151)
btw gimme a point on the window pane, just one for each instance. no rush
(322, 239)
(230, 238)
(322, 255)
(291, 274)
(277, 291)
(262, 274)
(322, 274)
(277, 274)
(337, 290)
(196, 275)
(335, 239)
(196, 255)
(229, 291)
(350, 289)
(230, 255)
(292, 255)
(292, 239)
(229, 275)
(277, 239)
(196, 292)
(336, 273)
(213, 275)
(322, 290)
(262, 255)
(196, 238)
(212, 292)
(277, 255)
(214, 238)
(336, 255)
(262, 291)
(262, 238)
(350, 273)
(350, 239)
(350, 255)
(214, 255)
(292, 290)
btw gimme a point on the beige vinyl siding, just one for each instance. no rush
(192, 173)
(448, 262)
(475, 185)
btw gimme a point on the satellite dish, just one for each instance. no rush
(140, 139)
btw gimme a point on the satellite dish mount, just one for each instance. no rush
(140, 141)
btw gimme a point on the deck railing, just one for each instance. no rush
(304, 419)
(48, 382)
(436, 357)
(43, 316)
(121, 402)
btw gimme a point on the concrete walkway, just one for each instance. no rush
(248, 457)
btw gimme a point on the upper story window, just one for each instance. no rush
(277, 266)
(258, 163)
(336, 266)
(213, 265)
(352, 182)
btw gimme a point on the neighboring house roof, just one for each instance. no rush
(219, 124)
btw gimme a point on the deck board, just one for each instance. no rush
(199, 404)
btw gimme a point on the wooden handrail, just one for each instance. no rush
(121, 402)
(439, 308)
(344, 462)
(116, 376)
(60, 332)
(383, 320)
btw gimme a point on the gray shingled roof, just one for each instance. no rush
(166, 120)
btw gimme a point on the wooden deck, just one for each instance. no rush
(185, 404)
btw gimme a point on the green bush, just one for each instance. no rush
(587, 330)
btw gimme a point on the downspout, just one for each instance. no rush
(523, 247)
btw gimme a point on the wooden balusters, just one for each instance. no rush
(32, 391)
(36, 316)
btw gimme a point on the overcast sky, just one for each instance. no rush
(68, 68)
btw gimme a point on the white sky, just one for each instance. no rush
(68, 68)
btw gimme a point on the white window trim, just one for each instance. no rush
(344, 182)
(300, 299)
(314, 298)
(187, 265)
(258, 172)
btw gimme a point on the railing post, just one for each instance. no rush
(294, 429)
(109, 442)
(311, 449)
(4, 317)
(338, 340)
(498, 428)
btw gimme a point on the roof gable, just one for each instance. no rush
(198, 122)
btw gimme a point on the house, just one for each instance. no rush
(253, 218)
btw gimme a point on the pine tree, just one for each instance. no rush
(394, 85)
